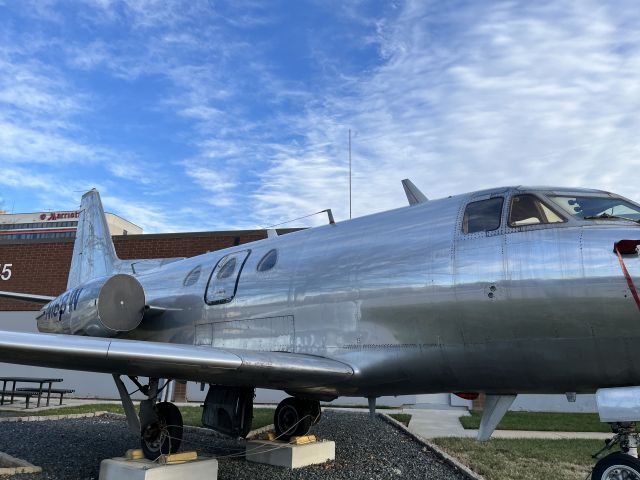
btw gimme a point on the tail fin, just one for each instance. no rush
(93, 252)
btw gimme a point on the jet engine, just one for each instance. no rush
(103, 307)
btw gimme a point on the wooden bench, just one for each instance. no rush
(35, 391)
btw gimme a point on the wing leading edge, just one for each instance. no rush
(278, 370)
(27, 297)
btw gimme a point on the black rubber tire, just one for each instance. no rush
(164, 436)
(606, 467)
(292, 418)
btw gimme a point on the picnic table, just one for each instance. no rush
(29, 392)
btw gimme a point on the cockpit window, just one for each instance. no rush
(530, 210)
(482, 216)
(593, 208)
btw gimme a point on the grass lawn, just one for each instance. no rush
(378, 407)
(550, 422)
(403, 418)
(190, 415)
(524, 459)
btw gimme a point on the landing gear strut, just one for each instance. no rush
(163, 434)
(622, 465)
(294, 416)
(159, 424)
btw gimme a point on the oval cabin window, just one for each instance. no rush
(268, 261)
(192, 277)
(227, 269)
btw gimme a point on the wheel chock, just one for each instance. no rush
(175, 458)
(134, 454)
(303, 440)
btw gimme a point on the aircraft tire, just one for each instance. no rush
(163, 436)
(617, 465)
(292, 418)
(316, 411)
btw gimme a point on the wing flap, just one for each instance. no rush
(279, 370)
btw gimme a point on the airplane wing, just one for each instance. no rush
(278, 370)
(27, 297)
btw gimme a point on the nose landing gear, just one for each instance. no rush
(623, 465)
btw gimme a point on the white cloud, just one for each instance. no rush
(461, 97)
(511, 94)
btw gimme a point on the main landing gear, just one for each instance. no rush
(294, 416)
(623, 465)
(159, 424)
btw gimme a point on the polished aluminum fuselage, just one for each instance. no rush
(414, 305)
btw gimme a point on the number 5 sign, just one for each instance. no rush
(5, 274)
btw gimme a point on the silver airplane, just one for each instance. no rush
(502, 291)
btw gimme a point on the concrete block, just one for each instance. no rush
(287, 455)
(121, 468)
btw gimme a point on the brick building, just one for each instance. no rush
(41, 266)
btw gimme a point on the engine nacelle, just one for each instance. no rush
(102, 307)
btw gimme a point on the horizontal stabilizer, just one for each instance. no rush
(27, 297)
(277, 370)
(414, 195)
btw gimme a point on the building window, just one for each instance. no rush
(482, 216)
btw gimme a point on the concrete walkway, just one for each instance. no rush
(445, 423)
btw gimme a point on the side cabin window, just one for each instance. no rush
(483, 215)
(268, 261)
(223, 282)
(530, 210)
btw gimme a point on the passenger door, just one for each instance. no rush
(544, 265)
(479, 271)
(220, 292)
(224, 279)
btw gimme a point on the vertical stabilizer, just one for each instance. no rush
(93, 252)
(413, 193)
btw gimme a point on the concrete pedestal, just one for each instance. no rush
(122, 468)
(286, 455)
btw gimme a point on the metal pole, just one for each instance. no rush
(349, 173)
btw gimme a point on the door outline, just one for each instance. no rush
(215, 270)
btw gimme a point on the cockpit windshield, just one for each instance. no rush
(594, 208)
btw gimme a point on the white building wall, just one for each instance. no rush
(85, 384)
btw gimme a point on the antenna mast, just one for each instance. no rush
(349, 173)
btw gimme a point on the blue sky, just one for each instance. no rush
(208, 114)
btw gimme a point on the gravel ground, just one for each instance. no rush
(365, 449)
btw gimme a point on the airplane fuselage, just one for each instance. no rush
(418, 306)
